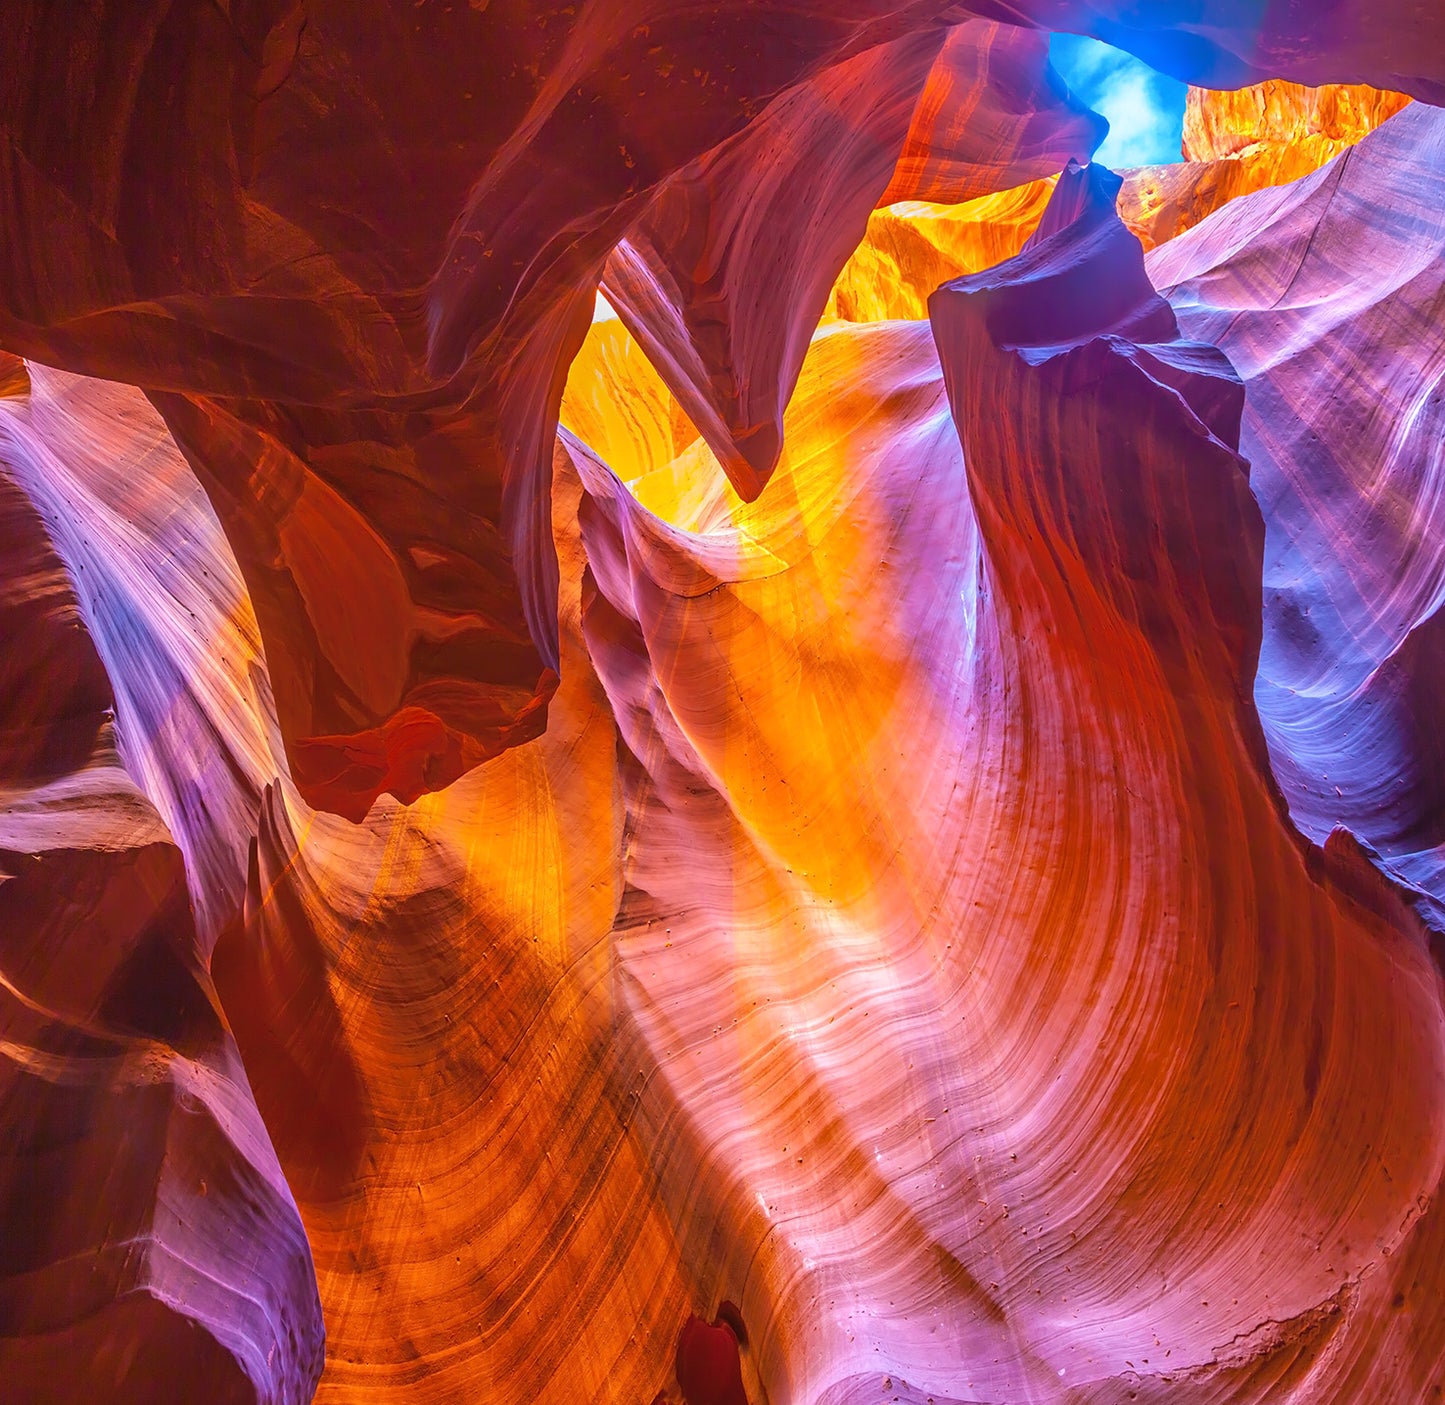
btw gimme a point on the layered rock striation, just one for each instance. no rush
(892, 860)
(151, 1244)
(351, 269)
(1344, 367)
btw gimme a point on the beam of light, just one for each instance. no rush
(1145, 110)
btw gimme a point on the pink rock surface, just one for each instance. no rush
(1344, 366)
(150, 1240)
(965, 913)
(351, 268)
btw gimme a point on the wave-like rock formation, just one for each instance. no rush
(351, 268)
(1344, 433)
(901, 1040)
(724, 279)
(892, 860)
(150, 1241)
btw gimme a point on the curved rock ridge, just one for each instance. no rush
(307, 322)
(167, 612)
(425, 1005)
(349, 252)
(723, 280)
(1344, 422)
(993, 114)
(151, 1242)
(361, 1061)
(909, 766)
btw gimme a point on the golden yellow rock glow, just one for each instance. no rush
(1234, 143)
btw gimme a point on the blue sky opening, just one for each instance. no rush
(1145, 109)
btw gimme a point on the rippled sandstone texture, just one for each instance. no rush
(151, 1244)
(916, 956)
(351, 269)
(1345, 438)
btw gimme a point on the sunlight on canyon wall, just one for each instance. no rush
(866, 829)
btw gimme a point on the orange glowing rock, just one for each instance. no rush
(913, 247)
(616, 402)
(1284, 116)
(1238, 142)
(523, 836)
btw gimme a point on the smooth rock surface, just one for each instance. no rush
(1344, 364)
(493, 900)
(351, 268)
(150, 1240)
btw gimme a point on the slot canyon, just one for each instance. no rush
(690, 716)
